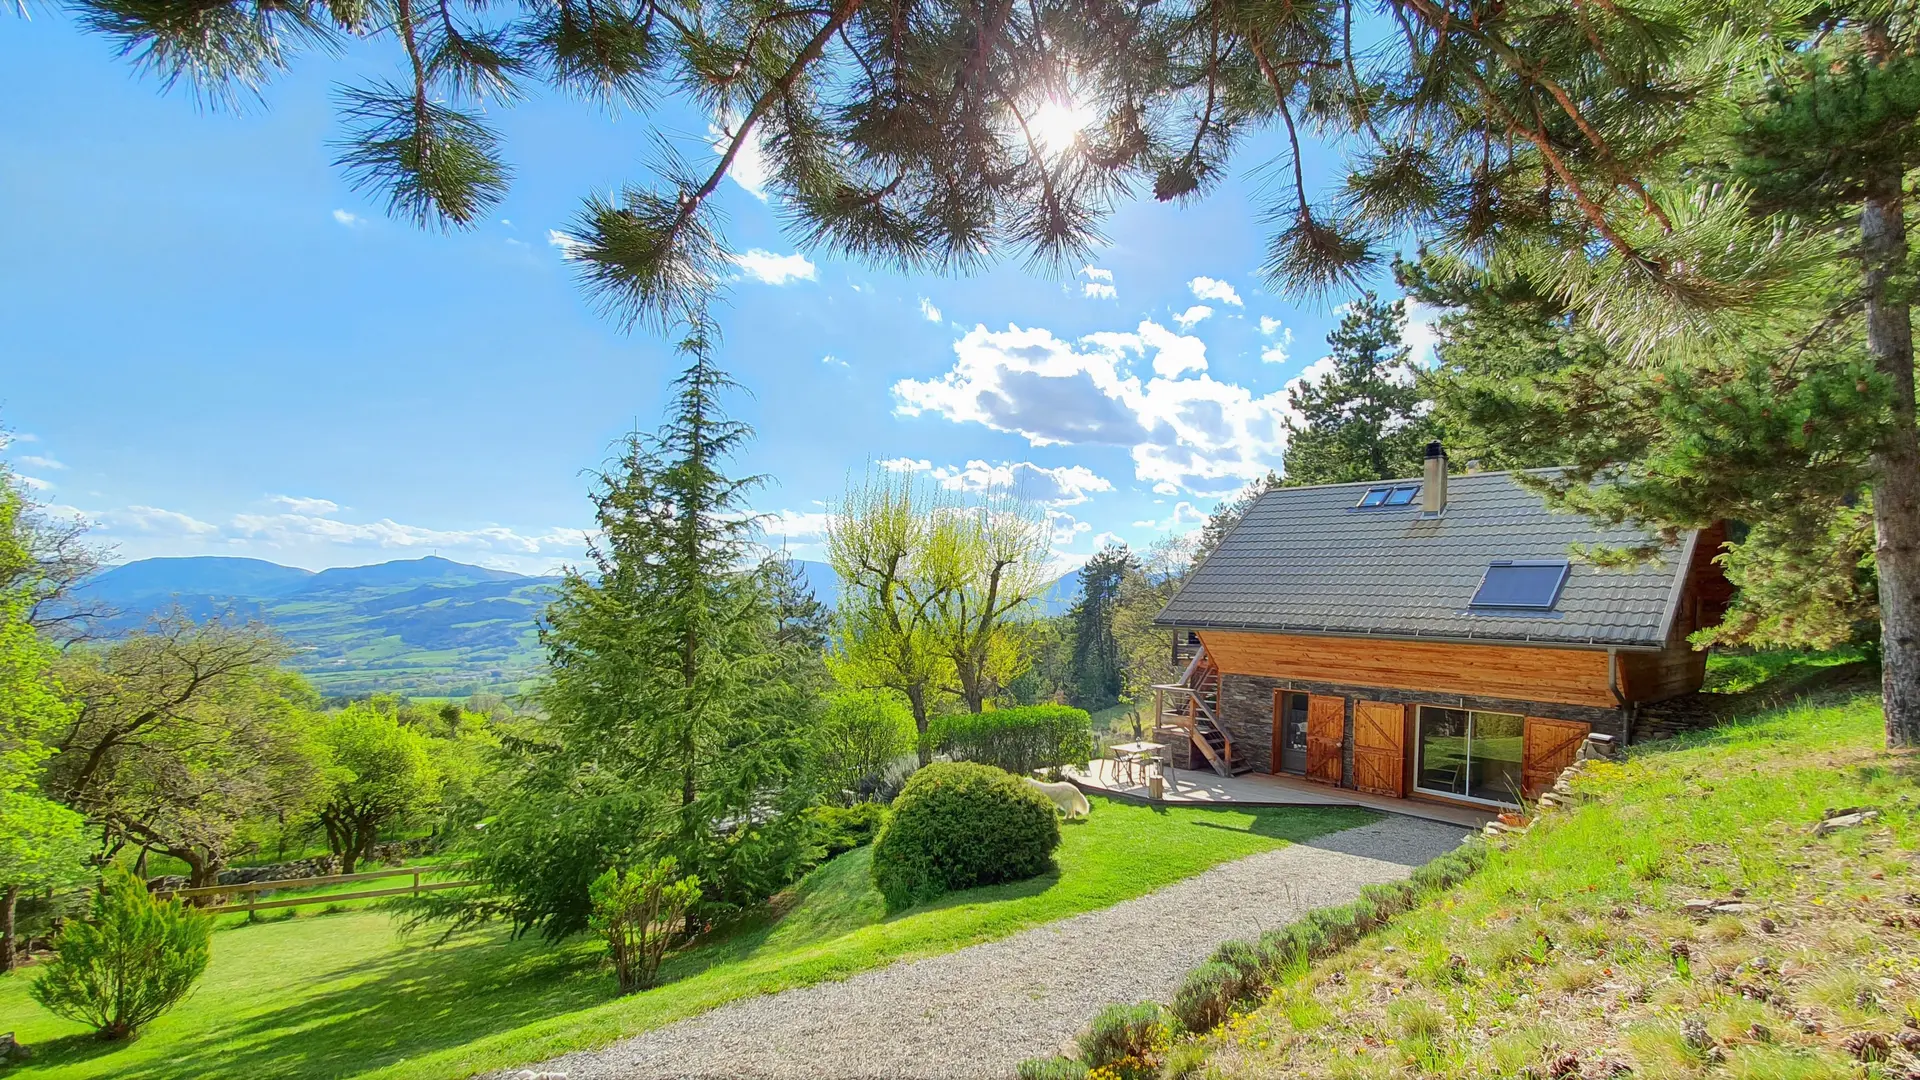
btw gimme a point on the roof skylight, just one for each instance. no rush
(1388, 495)
(1516, 583)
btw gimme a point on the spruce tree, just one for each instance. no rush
(1098, 673)
(1366, 418)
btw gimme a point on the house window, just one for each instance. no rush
(1466, 754)
(1390, 495)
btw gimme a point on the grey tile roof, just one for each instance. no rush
(1304, 561)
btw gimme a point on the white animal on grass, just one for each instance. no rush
(1065, 796)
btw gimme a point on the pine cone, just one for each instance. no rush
(1693, 1031)
(1766, 925)
(1564, 1067)
(1909, 1041)
(1680, 950)
(1760, 1033)
(1869, 1046)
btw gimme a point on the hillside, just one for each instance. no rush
(420, 626)
(1690, 917)
(424, 627)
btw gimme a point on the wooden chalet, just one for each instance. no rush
(1428, 638)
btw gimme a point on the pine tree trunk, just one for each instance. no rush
(8, 902)
(1896, 461)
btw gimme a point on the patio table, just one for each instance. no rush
(1135, 754)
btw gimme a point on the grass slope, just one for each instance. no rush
(1571, 955)
(343, 995)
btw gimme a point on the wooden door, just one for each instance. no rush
(1547, 747)
(1326, 737)
(1380, 748)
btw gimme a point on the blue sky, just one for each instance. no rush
(214, 346)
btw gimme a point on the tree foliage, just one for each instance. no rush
(131, 961)
(1365, 418)
(379, 772)
(882, 543)
(44, 848)
(637, 912)
(1098, 674)
(185, 732)
(862, 735)
(678, 719)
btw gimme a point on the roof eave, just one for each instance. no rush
(1590, 642)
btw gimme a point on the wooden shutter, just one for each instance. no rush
(1326, 736)
(1547, 748)
(1380, 748)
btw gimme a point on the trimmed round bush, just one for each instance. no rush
(957, 825)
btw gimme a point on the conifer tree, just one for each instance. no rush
(1366, 418)
(1099, 676)
(677, 715)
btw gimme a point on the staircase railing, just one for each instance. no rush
(1192, 714)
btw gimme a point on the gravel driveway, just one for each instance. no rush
(980, 1011)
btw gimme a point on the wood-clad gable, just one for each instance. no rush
(1567, 676)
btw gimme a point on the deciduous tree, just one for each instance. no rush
(184, 732)
(379, 772)
(998, 549)
(881, 541)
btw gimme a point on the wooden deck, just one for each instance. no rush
(1260, 789)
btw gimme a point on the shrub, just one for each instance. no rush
(637, 911)
(840, 829)
(958, 825)
(133, 960)
(861, 736)
(1053, 1068)
(1019, 740)
(1206, 996)
(1124, 1034)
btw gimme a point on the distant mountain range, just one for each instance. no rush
(426, 627)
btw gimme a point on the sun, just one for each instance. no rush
(1057, 124)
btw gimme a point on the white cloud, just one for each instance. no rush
(296, 529)
(348, 218)
(300, 505)
(42, 461)
(33, 483)
(1206, 288)
(570, 246)
(1188, 432)
(763, 265)
(1193, 315)
(1281, 350)
(905, 464)
(1066, 527)
(833, 361)
(1270, 326)
(1422, 332)
(1065, 485)
(1099, 284)
(749, 168)
(795, 524)
(152, 519)
(1184, 517)
(931, 313)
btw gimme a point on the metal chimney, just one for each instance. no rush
(1433, 490)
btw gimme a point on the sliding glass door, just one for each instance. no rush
(1470, 755)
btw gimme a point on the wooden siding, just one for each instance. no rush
(1569, 676)
(1650, 677)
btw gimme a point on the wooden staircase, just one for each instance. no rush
(1192, 707)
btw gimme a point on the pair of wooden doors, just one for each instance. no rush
(1379, 743)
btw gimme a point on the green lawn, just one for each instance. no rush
(342, 995)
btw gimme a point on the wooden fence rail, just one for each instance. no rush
(253, 889)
